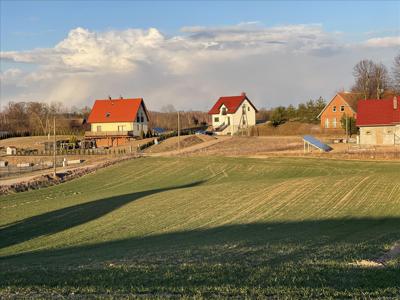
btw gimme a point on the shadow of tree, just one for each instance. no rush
(65, 218)
(257, 260)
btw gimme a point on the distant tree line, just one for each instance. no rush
(305, 112)
(36, 118)
(168, 118)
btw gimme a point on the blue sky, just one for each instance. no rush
(29, 24)
(189, 53)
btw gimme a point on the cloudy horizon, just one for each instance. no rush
(275, 65)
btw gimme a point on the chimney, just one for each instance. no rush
(109, 97)
(120, 97)
(243, 94)
(395, 103)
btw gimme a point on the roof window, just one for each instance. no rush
(107, 114)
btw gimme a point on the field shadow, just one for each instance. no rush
(68, 217)
(304, 258)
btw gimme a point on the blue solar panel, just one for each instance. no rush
(317, 143)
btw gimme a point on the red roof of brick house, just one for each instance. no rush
(116, 110)
(374, 112)
(232, 104)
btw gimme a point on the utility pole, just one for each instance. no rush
(347, 131)
(54, 146)
(179, 133)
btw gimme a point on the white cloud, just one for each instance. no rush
(276, 65)
(389, 41)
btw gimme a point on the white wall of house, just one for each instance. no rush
(234, 119)
(380, 135)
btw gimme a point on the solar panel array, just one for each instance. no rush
(317, 143)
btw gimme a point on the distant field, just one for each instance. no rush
(206, 227)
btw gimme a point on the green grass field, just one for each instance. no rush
(206, 227)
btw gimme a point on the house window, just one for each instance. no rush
(244, 122)
(327, 123)
(334, 109)
(223, 111)
(141, 117)
(334, 122)
(98, 128)
(248, 109)
(216, 119)
(121, 128)
(229, 120)
(138, 119)
(342, 108)
(137, 126)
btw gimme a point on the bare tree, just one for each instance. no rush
(380, 79)
(371, 79)
(363, 72)
(396, 73)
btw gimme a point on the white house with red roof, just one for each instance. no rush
(379, 121)
(232, 113)
(115, 121)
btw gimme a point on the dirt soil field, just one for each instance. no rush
(171, 144)
(255, 145)
(293, 146)
(293, 128)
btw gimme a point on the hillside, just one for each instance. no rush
(207, 227)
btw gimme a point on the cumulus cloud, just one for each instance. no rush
(276, 65)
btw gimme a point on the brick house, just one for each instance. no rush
(114, 122)
(344, 103)
(379, 121)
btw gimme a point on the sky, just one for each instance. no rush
(189, 53)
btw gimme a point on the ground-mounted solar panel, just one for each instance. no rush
(317, 143)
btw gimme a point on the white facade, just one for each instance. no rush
(245, 116)
(380, 135)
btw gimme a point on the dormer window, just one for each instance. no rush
(223, 111)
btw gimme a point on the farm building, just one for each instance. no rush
(379, 121)
(231, 113)
(344, 103)
(114, 122)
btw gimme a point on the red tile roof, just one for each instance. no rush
(116, 110)
(378, 112)
(232, 104)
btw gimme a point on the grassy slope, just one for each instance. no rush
(206, 226)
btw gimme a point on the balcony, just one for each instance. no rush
(103, 134)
